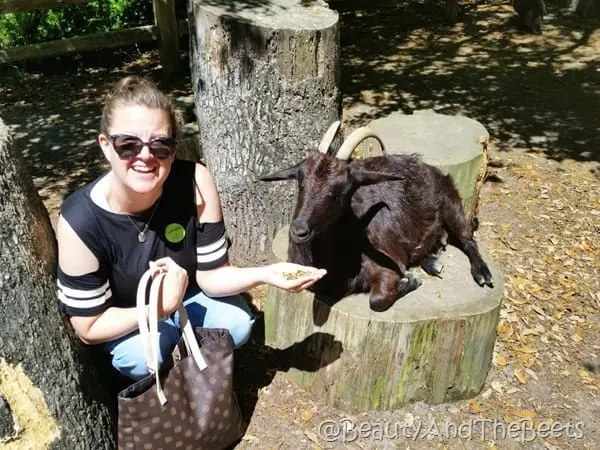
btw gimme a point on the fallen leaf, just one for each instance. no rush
(584, 374)
(520, 376)
(497, 386)
(500, 361)
(528, 331)
(308, 414)
(505, 330)
(531, 373)
(250, 438)
(312, 436)
(524, 413)
(475, 407)
(525, 349)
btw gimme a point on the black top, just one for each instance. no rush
(173, 231)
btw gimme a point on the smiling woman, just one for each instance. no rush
(151, 210)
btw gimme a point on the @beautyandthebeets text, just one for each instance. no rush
(348, 430)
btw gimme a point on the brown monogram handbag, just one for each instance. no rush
(191, 405)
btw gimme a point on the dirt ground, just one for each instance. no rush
(539, 98)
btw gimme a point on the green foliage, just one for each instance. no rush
(74, 20)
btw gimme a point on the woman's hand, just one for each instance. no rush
(174, 285)
(293, 277)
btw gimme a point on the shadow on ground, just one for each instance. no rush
(531, 92)
(257, 363)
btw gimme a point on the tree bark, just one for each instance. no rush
(38, 351)
(266, 83)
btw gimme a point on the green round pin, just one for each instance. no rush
(174, 233)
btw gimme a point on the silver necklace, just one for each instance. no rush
(142, 234)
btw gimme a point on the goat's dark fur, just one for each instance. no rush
(367, 221)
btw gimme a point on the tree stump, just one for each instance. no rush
(436, 343)
(455, 144)
(46, 375)
(266, 82)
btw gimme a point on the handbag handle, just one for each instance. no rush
(149, 335)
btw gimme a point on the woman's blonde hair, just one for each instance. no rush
(134, 90)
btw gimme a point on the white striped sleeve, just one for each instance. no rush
(211, 246)
(85, 295)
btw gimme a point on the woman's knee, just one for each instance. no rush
(231, 313)
(127, 353)
(240, 326)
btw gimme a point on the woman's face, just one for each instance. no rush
(144, 172)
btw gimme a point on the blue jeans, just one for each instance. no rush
(231, 313)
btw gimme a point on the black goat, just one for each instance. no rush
(367, 221)
(531, 14)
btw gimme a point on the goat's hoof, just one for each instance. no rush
(482, 276)
(408, 284)
(432, 266)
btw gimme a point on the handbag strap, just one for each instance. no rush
(141, 315)
(154, 338)
(149, 335)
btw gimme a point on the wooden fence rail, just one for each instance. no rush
(7, 6)
(166, 30)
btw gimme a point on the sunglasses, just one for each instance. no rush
(128, 147)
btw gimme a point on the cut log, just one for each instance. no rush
(434, 345)
(266, 82)
(47, 376)
(455, 144)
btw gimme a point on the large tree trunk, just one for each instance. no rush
(46, 375)
(266, 83)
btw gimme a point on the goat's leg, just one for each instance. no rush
(461, 234)
(384, 289)
(432, 265)
(479, 269)
(388, 285)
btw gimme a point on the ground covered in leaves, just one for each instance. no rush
(539, 97)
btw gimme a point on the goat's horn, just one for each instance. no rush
(328, 136)
(355, 138)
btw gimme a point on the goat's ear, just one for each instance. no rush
(290, 173)
(361, 176)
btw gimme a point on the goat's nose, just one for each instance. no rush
(299, 230)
